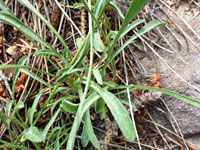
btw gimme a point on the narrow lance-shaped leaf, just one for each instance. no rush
(4, 7)
(8, 107)
(13, 21)
(32, 110)
(69, 107)
(78, 118)
(84, 136)
(46, 129)
(135, 7)
(90, 131)
(36, 12)
(193, 102)
(34, 76)
(149, 26)
(5, 67)
(118, 111)
(100, 7)
(98, 76)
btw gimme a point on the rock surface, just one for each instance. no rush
(186, 62)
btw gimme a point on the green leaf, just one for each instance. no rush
(193, 102)
(110, 84)
(46, 52)
(98, 76)
(37, 13)
(117, 10)
(99, 8)
(142, 31)
(34, 76)
(13, 21)
(22, 61)
(9, 107)
(33, 134)
(57, 144)
(79, 115)
(4, 67)
(19, 106)
(68, 107)
(77, 5)
(4, 7)
(98, 43)
(33, 109)
(135, 7)
(90, 131)
(68, 73)
(118, 111)
(100, 108)
(46, 129)
(130, 27)
(84, 135)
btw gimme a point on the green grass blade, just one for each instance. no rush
(46, 52)
(13, 21)
(34, 76)
(4, 7)
(35, 11)
(5, 67)
(33, 109)
(118, 111)
(186, 99)
(10, 145)
(47, 127)
(149, 26)
(130, 27)
(99, 8)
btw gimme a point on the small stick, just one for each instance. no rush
(3, 77)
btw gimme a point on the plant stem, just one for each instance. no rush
(91, 53)
(46, 103)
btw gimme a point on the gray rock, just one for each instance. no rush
(187, 65)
